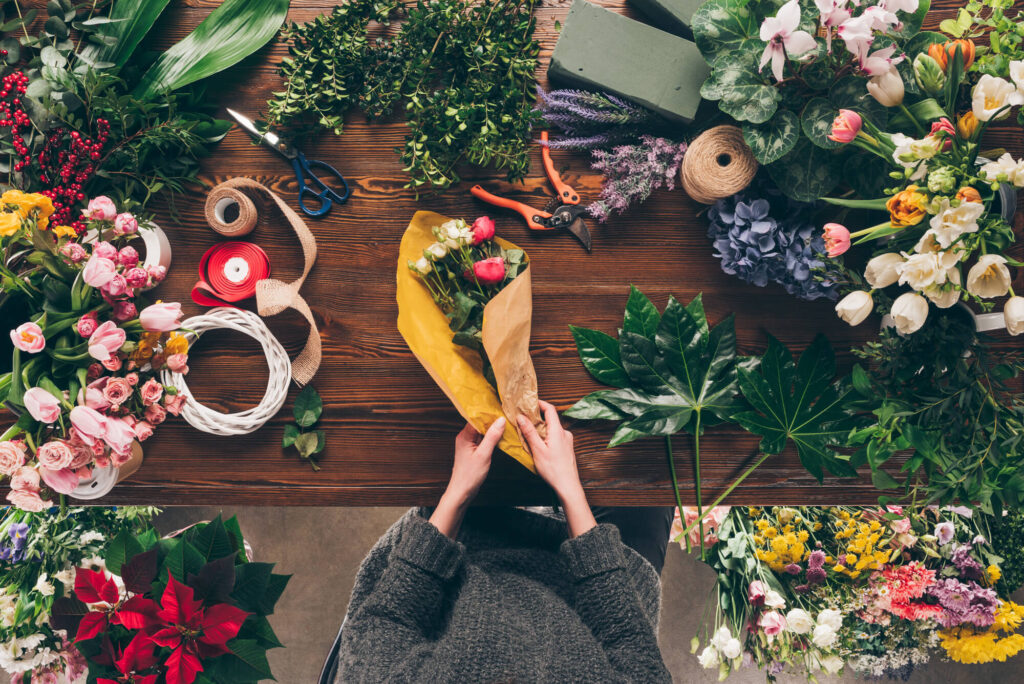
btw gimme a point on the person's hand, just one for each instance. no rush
(554, 456)
(473, 459)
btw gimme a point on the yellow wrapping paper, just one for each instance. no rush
(457, 370)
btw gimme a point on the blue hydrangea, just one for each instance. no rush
(762, 242)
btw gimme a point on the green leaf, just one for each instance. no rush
(807, 173)
(593, 407)
(134, 18)
(641, 317)
(883, 480)
(798, 402)
(866, 173)
(291, 433)
(122, 547)
(308, 407)
(911, 23)
(851, 92)
(773, 140)
(233, 31)
(181, 559)
(816, 121)
(212, 541)
(247, 662)
(599, 353)
(741, 90)
(723, 25)
(309, 443)
(920, 43)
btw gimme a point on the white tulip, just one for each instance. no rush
(989, 277)
(799, 621)
(1010, 170)
(909, 312)
(855, 307)
(921, 271)
(708, 658)
(773, 599)
(1013, 314)
(945, 296)
(883, 270)
(435, 251)
(952, 222)
(733, 649)
(993, 94)
(887, 88)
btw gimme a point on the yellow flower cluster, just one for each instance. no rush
(993, 573)
(778, 547)
(970, 647)
(146, 349)
(862, 551)
(17, 206)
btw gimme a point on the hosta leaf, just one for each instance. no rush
(723, 25)
(797, 402)
(773, 140)
(599, 353)
(816, 121)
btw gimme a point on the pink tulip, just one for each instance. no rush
(106, 341)
(846, 126)
(98, 271)
(28, 337)
(161, 317)
(119, 435)
(62, 481)
(944, 127)
(92, 395)
(100, 208)
(42, 405)
(90, 425)
(837, 239)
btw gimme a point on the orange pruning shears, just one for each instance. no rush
(564, 211)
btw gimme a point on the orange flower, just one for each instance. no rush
(906, 208)
(943, 52)
(968, 194)
(967, 124)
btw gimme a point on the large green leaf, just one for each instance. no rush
(773, 140)
(851, 92)
(741, 90)
(816, 121)
(799, 402)
(641, 317)
(723, 25)
(599, 353)
(911, 23)
(232, 32)
(135, 19)
(808, 172)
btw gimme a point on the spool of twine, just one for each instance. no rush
(717, 164)
(230, 212)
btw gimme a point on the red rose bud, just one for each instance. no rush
(489, 271)
(483, 229)
(837, 239)
(846, 126)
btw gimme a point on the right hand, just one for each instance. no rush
(554, 457)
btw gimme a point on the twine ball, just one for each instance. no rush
(718, 163)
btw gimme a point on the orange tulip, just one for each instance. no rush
(968, 194)
(906, 208)
(966, 125)
(943, 52)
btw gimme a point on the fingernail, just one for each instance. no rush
(521, 419)
(500, 422)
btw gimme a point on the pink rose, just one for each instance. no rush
(113, 364)
(87, 324)
(89, 424)
(837, 239)
(901, 526)
(83, 454)
(756, 592)
(105, 250)
(55, 455)
(161, 317)
(42, 405)
(12, 457)
(772, 623)
(28, 337)
(136, 277)
(125, 224)
(488, 271)
(117, 391)
(173, 403)
(846, 126)
(98, 271)
(124, 310)
(156, 414)
(106, 341)
(483, 229)
(132, 378)
(178, 363)
(73, 252)
(116, 286)
(100, 208)
(157, 273)
(119, 436)
(28, 500)
(151, 392)
(94, 371)
(25, 479)
(143, 430)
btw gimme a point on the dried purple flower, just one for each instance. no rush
(632, 172)
(793, 569)
(594, 120)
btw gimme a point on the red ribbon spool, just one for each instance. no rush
(228, 273)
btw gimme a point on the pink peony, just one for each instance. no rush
(12, 457)
(100, 208)
(756, 593)
(117, 391)
(837, 239)
(105, 250)
(42, 405)
(143, 430)
(846, 126)
(98, 271)
(124, 310)
(28, 337)
(178, 363)
(151, 392)
(74, 252)
(125, 224)
(157, 273)
(128, 257)
(116, 286)
(136, 277)
(174, 403)
(483, 229)
(488, 271)
(87, 324)
(55, 455)
(89, 424)
(28, 500)
(119, 436)
(156, 414)
(106, 341)
(161, 317)
(25, 478)
(772, 623)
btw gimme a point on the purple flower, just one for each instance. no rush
(815, 575)
(964, 602)
(594, 120)
(966, 563)
(944, 531)
(632, 172)
(816, 559)
(793, 569)
(18, 533)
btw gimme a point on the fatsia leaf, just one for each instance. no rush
(234, 30)
(799, 402)
(599, 353)
(641, 316)
(134, 19)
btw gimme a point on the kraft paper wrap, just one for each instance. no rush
(457, 370)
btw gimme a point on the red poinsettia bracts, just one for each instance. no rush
(99, 590)
(139, 655)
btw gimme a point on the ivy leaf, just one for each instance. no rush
(723, 25)
(799, 402)
(308, 407)
(773, 140)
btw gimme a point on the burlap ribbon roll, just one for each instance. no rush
(272, 296)
(717, 164)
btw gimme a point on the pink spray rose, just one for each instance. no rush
(128, 257)
(161, 317)
(55, 455)
(156, 414)
(28, 500)
(124, 310)
(25, 478)
(132, 378)
(846, 126)
(116, 286)
(488, 271)
(113, 364)
(772, 623)
(106, 341)
(98, 271)
(178, 363)
(83, 453)
(483, 229)
(89, 424)
(143, 430)
(157, 273)
(756, 592)
(117, 391)
(74, 252)
(105, 250)
(42, 405)
(87, 324)
(12, 457)
(173, 403)
(837, 239)
(151, 392)
(100, 208)
(125, 224)
(28, 337)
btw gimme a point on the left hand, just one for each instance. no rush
(473, 459)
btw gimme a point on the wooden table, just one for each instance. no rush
(389, 428)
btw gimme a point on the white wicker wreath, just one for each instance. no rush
(206, 419)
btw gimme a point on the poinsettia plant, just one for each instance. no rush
(191, 609)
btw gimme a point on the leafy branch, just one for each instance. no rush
(303, 434)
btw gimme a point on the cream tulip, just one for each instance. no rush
(989, 277)
(922, 271)
(909, 312)
(1013, 315)
(855, 307)
(945, 296)
(883, 270)
(887, 88)
(994, 95)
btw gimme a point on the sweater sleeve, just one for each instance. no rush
(389, 637)
(607, 602)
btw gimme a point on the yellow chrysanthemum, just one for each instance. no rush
(9, 224)
(993, 573)
(176, 344)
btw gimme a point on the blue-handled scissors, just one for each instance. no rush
(325, 195)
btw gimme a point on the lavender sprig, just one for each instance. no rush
(592, 120)
(632, 172)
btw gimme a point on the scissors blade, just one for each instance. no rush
(582, 233)
(268, 137)
(570, 217)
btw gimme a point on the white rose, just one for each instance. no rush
(423, 266)
(921, 271)
(823, 636)
(832, 664)
(733, 649)
(708, 658)
(993, 94)
(799, 621)
(773, 599)
(831, 617)
(909, 312)
(1006, 166)
(952, 222)
(945, 296)
(883, 270)
(855, 307)
(989, 277)
(43, 587)
(1013, 314)
(435, 251)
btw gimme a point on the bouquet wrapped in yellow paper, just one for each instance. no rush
(465, 310)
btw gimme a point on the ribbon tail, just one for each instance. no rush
(273, 297)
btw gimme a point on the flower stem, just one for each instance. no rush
(913, 119)
(700, 510)
(675, 485)
(728, 491)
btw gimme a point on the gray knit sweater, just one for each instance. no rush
(512, 601)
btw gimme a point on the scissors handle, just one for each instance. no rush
(565, 192)
(533, 218)
(323, 192)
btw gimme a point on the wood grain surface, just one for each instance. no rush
(389, 428)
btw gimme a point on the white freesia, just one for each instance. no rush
(782, 36)
(733, 649)
(883, 270)
(952, 222)
(909, 312)
(708, 658)
(435, 251)
(831, 617)
(904, 156)
(887, 88)
(43, 586)
(1007, 167)
(989, 277)
(921, 271)
(773, 599)
(945, 296)
(1013, 315)
(855, 307)
(823, 636)
(799, 621)
(994, 95)
(66, 577)
(832, 664)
